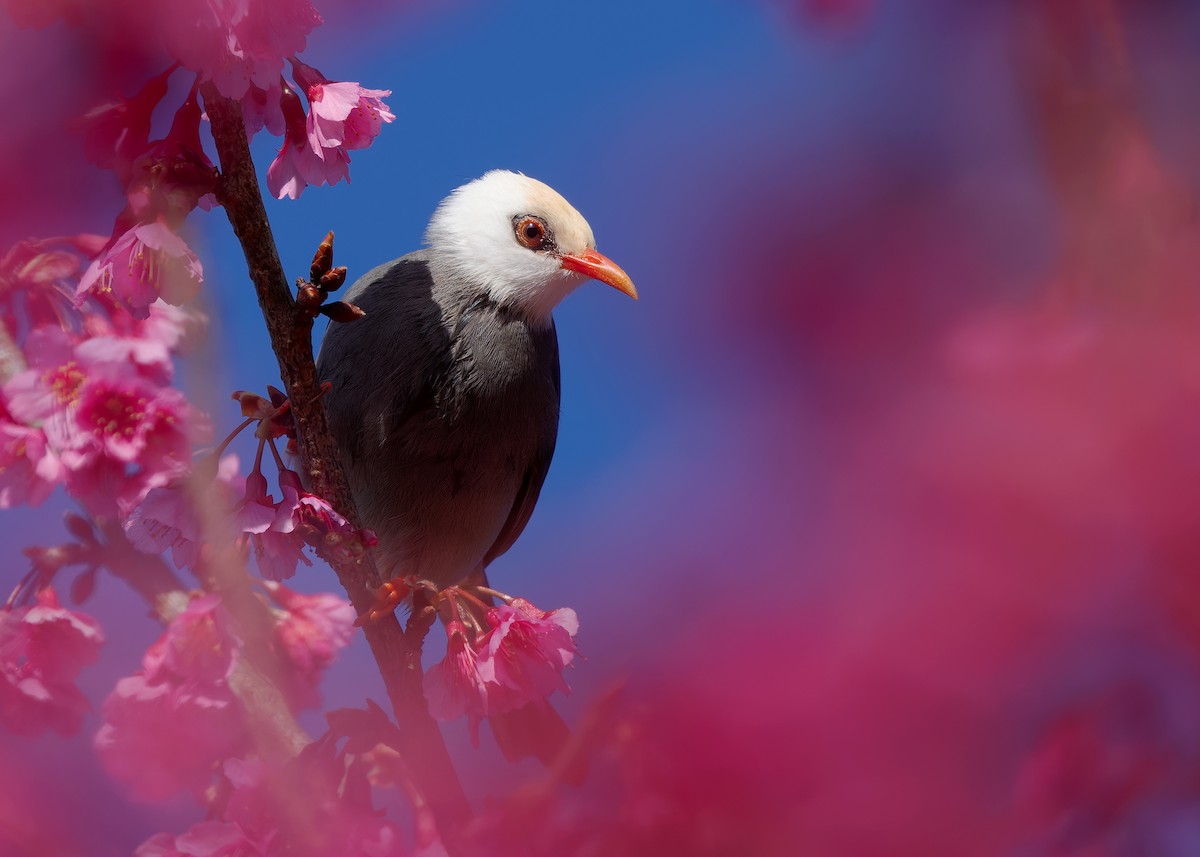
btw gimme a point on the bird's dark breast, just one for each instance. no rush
(446, 415)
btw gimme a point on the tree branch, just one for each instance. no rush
(399, 661)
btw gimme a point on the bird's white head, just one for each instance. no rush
(521, 241)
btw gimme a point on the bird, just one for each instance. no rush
(444, 398)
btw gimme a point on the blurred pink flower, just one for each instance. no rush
(237, 44)
(145, 263)
(300, 163)
(173, 175)
(38, 277)
(168, 726)
(454, 685)
(42, 649)
(836, 12)
(198, 648)
(29, 471)
(163, 738)
(116, 133)
(166, 517)
(523, 655)
(205, 839)
(310, 630)
(341, 113)
(318, 803)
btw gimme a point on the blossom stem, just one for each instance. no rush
(258, 456)
(479, 602)
(290, 331)
(275, 454)
(487, 590)
(23, 586)
(220, 450)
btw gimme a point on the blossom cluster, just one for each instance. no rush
(43, 646)
(96, 411)
(501, 664)
(184, 689)
(342, 116)
(91, 328)
(315, 804)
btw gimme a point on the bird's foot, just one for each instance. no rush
(388, 597)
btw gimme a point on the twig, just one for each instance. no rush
(12, 361)
(291, 338)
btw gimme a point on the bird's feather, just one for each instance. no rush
(445, 407)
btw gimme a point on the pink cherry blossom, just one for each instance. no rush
(260, 109)
(145, 263)
(259, 513)
(271, 529)
(454, 685)
(175, 328)
(42, 649)
(145, 347)
(341, 113)
(119, 421)
(117, 416)
(310, 512)
(38, 275)
(298, 163)
(51, 384)
(523, 655)
(150, 358)
(316, 522)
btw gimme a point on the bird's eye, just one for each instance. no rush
(531, 233)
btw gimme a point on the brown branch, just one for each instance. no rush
(291, 338)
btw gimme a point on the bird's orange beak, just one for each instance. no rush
(600, 267)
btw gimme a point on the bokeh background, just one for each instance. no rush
(881, 505)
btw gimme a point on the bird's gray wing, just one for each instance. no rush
(372, 392)
(535, 475)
